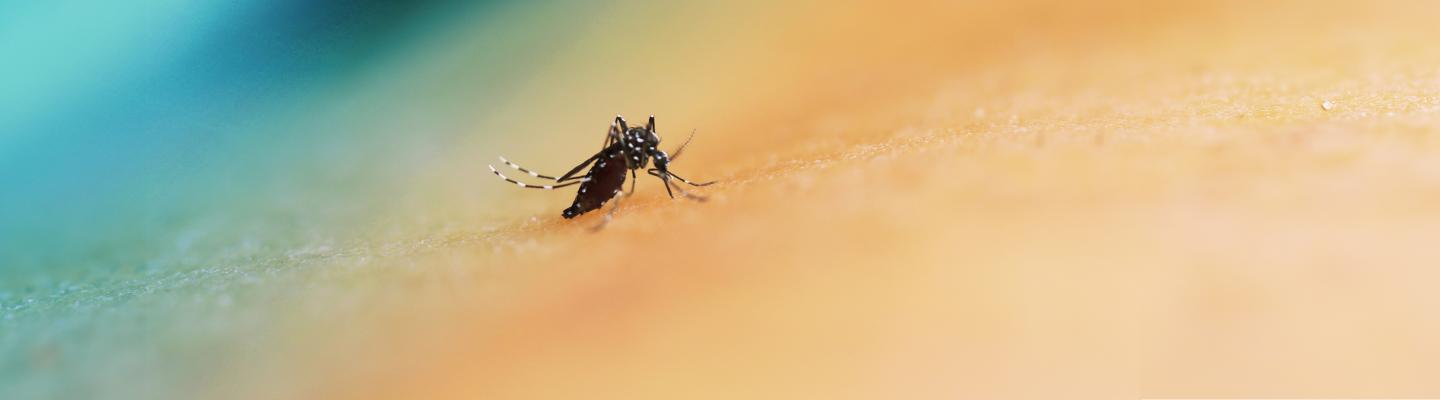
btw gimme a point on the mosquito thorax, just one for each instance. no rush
(636, 144)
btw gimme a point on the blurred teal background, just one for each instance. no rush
(138, 130)
(158, 157)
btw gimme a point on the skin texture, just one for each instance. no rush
(1091, 202)
(1112, 199)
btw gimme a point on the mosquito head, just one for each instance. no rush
(662, 160)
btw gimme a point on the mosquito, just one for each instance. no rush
(625, 150)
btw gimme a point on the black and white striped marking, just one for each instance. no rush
(529, 186)
(522, 169)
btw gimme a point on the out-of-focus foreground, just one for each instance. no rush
(1208, 199)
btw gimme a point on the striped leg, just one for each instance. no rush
(668, 185)
(564, 178)
(529, 186)
(522, 169)
(654, 171)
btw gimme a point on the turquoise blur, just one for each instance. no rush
(149, 147)
(142, 136)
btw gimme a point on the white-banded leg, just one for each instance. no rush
(543, 176)
(669, 185)
(522, 169)
(654, 171)
(529, 186)
(611, 214)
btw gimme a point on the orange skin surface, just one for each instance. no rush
(955, 200)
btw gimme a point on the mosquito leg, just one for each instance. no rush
(668, 185)
(688, 182)
(664, 178)
(522, 169)
(633, 179)
(617, 128)
(653, 171)
(571, 175)
(529, 186)
(687, 194)
(610, 215)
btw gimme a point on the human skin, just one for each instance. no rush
(1181, 200)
